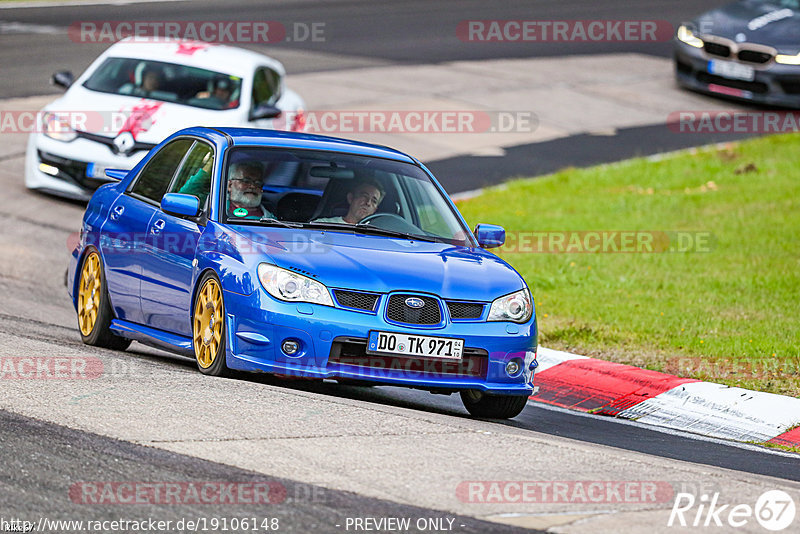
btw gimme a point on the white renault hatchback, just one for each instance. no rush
(139, 92)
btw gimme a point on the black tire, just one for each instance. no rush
(94, 308)
(493, 406)
(202, 336)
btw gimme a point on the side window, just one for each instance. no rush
(156, 176)
(266, 87)
(194, 178)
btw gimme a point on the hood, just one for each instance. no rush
(150, 121)
(382, 264)
(754, 21)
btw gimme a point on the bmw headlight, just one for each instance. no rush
(57, 127)
(292, 287)
(516, 307)
(685, 35)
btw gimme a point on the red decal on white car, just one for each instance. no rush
(140, 118)
(188, 49)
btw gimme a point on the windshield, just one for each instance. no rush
(342, 192)
(168, 82)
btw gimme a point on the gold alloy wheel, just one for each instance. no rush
(208, 317)
(89, 293)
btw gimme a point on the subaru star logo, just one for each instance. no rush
(414, 302)
(124, 142)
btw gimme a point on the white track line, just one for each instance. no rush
(23, 5)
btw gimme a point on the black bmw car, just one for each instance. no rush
(747, 50)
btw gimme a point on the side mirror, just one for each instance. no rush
(63, 78)
(180, 205)
(116, 174)
(490, 235)
(264, 111)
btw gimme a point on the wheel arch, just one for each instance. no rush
(79, 268)
(200, 277)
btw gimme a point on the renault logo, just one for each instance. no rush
(414, 302)
(124, 142)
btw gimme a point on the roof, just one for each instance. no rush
(221, 58)
(277, 138)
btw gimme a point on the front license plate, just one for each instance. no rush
(413, 345)
(93, 170)
(731, 70)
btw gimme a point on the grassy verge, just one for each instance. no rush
(726, 310)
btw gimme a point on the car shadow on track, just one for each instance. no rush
(399, 397)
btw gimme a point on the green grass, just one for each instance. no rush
(727, 315)
(778, 447)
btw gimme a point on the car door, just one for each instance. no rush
(168, 272)
(124, 233)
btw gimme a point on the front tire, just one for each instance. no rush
(94, 309)
(493, 406)
(208, 328)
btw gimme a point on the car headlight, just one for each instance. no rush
(685, 35)
(292, 287)
(787, 59)
(57, 127)
(516, 307)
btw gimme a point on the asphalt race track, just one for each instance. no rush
(335, 453)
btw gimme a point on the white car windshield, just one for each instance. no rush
(365, 194)
(168, 82)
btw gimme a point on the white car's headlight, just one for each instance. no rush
(787, 59)
(286, 285)
(685, 35)
(516, 307)
(57, 127)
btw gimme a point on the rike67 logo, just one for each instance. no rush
(774, 510)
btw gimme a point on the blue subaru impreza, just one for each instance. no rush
(304, 256)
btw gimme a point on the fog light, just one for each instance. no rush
(48, 169)
(290, 347)
(512, 368)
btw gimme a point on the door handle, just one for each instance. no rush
(117, 212)
(157, 227)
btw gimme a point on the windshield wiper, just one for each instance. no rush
(394, 233)
(276, 222)
(371, 229)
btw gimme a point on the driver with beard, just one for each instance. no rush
(245, 187)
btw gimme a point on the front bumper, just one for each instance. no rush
(774, 84)
(333, 342)
(71, 161)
